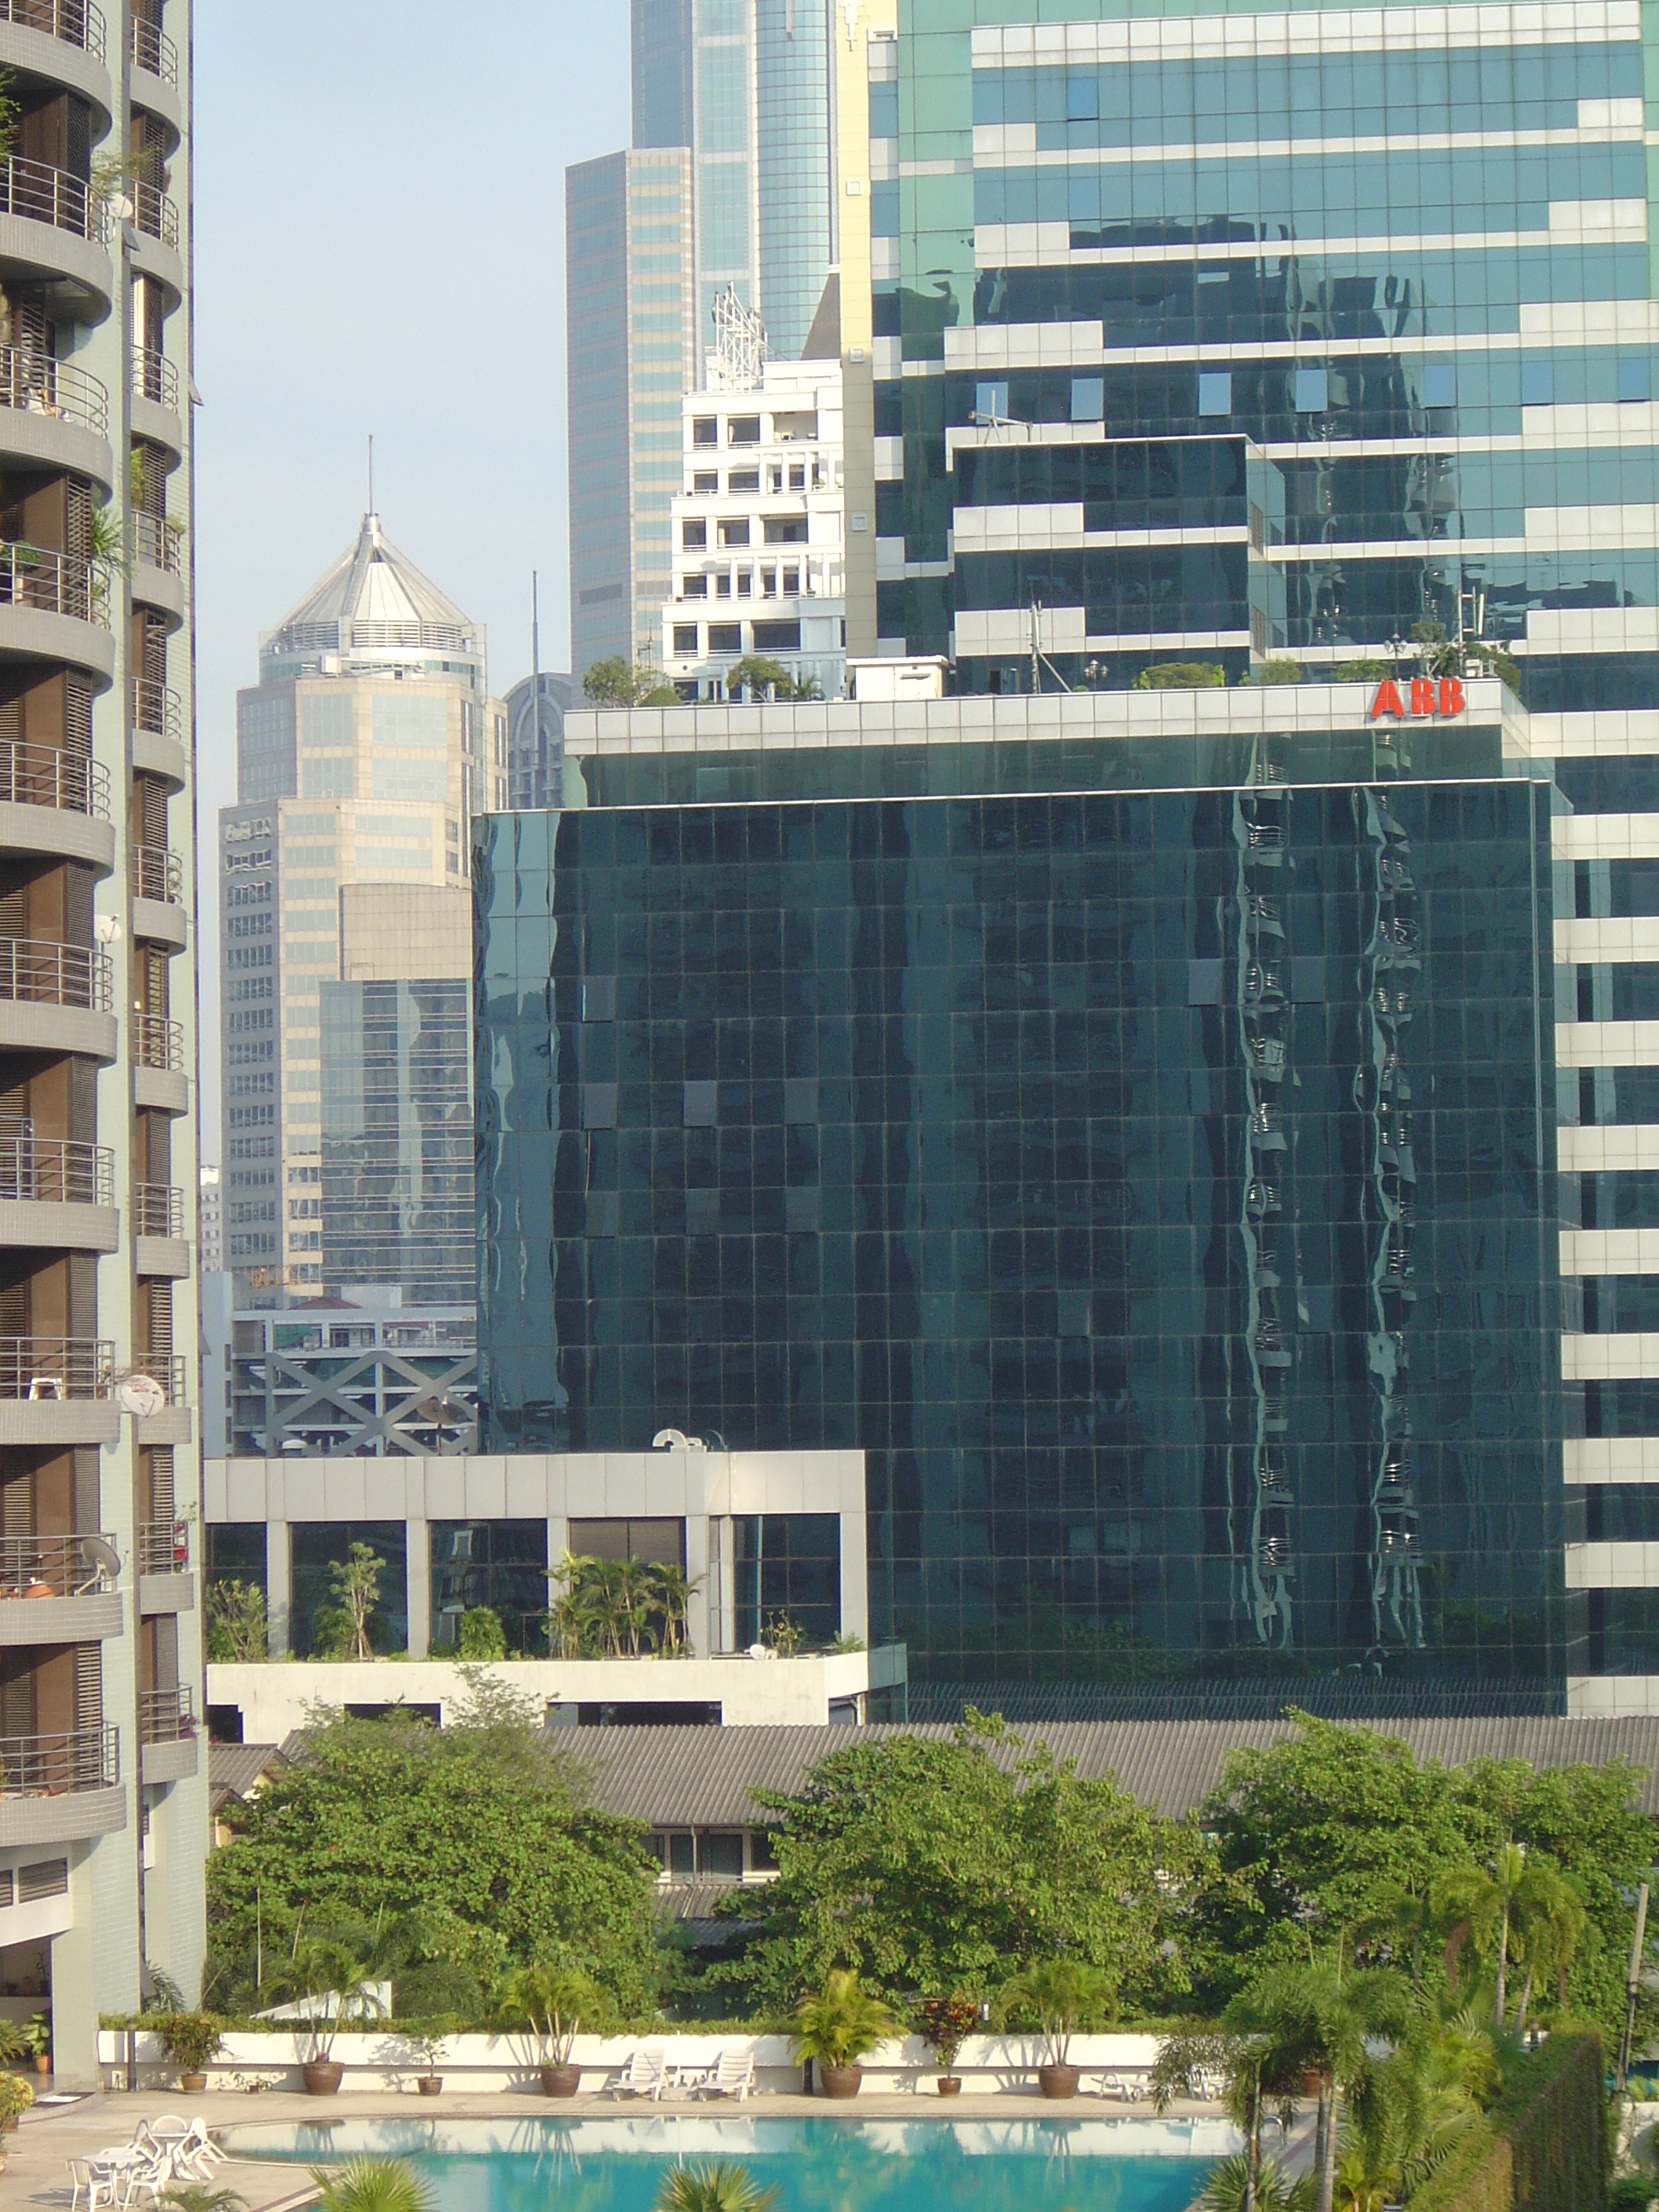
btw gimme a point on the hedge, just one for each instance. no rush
(1542, 2147)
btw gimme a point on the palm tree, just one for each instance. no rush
(372, 2185)
(842, 2022)
(196, 2197)
(674, 1588)
(1257, 2074)
(638, 1596)
(1523, 1908)
(1552, 1926)
(721, 2186)
(1402, 1925)
(1323, 2019)
(1232, 2186)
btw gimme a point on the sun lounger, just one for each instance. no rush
(647, 2074)
(1129, 2088)
(732, 2074)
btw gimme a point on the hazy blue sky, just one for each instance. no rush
(380, 246)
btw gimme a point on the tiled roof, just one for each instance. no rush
(695, 1777)
(234, 1769)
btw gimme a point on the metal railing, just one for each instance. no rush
(56, 1170)
(56, 1766)
(163, 1547)
(156, 709)
(43, 194)
(50, 1566)
(34, 972)
(76, 22)
(155, 377)
(38, 383)
(156, 543)
(40, 775)
(47, 1368)
(154, 50)
(157, 874)
(167, 1368)
(154, 213)
(166, 1716)
(158, 1042)
(158, 1210)
(53, 583)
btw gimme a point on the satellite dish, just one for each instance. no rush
(142, 1396)
(97, 1554)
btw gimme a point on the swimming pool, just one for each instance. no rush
(614, 2165)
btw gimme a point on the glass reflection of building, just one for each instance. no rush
(1144, 1157)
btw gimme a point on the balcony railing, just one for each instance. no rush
(40, 775)
(42, 194)
(76, 22)
(154, 213)
(158, 1210)
(154, 50)
(54, 583)
(56, 1170)
(38, 383)
(157, 542)
(167, 1368)
(48, 1369)
(166, 1716)
(157, 874)
(158, 1042)
(33, 972)
(163, 1547)
(155, 377)
(156, 709)
(51, 1567)
(54, 1765)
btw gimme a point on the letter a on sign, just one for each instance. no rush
(1387, 700)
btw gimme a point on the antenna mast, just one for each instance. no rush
(371, 472)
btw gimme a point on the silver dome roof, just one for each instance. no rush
(372, 597)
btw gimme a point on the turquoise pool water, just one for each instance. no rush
(609, 2165)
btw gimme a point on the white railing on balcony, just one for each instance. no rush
(154, 213)
(35, 972)
(158, 1210)
(156, 542)
(155, 709)
(51, 1567)
(47, 1765)
(37, 383)
(53, 583)
(76, 22)
(157, 874)
(46, 1369)
(157, 1042)
(55, 1170)
(155, 377)
(154, 50)
(40, 193)
(163, 1547)
(40, 775)
(166, 1716)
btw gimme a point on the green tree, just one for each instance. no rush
(618, 682)
(1182, 676)
(372, 2185)
(756, 675)
(1062, 1998)
(552, 2001)
(355, 1583)
(950, 1863)
(841, 2021)
(1521, 1909)
(482, 1635)
(1328, 2022)
(478, 1837)
(236, 1621)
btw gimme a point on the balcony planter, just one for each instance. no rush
(561, 2081)
(322, 2077)
(1058, 2082)
(429, 2085)
(838, 2081)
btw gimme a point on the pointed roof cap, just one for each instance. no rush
(373, 596)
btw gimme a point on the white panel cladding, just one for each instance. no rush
(1614, 939)
(1609, 1251)
(1612, 1566)
(1633, 1357)
(1607, 1044)
(1595, 1461)
(1333, 30)
(1600, 1151)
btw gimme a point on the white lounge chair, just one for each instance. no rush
(1130, 2087)
(732, 2074)
(646, 2073)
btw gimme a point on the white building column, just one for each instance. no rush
(697, 1564)
(418, 1584)
(279, 1588)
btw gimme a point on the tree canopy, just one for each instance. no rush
(476, 1839)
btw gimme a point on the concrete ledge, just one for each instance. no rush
(90, 1619)
(159, 922)
(57, 829)
(70, 1819)
(155, 587)
(161, 1255)
(50, 1225)
(170, 1426)
(166, 1594)
(38, 54)
(26, 1025)
(159, 756)
(81, 265)
(174, 1761)
(149, 418)
(59, 1421)
(161, 1089)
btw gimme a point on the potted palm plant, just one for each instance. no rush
(188, 2040)
(834, 2029)
(551, 2002)
(430, 2045)
(1061, 1997)
(38, 2030)
(945, 2024)
(327, 1973)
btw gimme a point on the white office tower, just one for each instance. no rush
(758, 526)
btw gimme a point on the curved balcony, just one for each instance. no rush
(159, 1247)
(53, 414)
(56, 997)
(67, 1580)
(56, 802)
(158, 744)
(154, 215)
(165, 1581)
(54, 1390)
(154, 384)
(167, 1735)
(56, 1194)
(156, 880)
(40, 193)
(152, 49)
(60, 1788)
(51, 225)
(158, 563)
(158, 1079)
(55, 606)
(72, 22)
(155, 378)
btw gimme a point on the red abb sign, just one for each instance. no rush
(1427, 697)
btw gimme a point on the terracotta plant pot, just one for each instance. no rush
(322, 2077)
(561, 2081)
(192, 2084)
(838, 2080)
(43, 2061)
(1057, 2082)
(950, 2084)
(429, 2085)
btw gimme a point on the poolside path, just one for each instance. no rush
(36, 2153)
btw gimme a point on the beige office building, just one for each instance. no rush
(363, 752)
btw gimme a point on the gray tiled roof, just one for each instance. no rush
(234, 1769)
(695, 1777)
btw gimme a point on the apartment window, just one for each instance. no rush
(796, 476)
(745, 582)
(990, 399)
(685, 640)
(1635, 381)
(1088, 398)
(1215, 391)
(694, 587)
(769, 583)
(1311, 390)
(1440, 385)
(785, 529)
(695, 533)
(706, 480)
(734, 530)
(1537, 382)
(705, 431)
(725, 637)
(744, 480)
(775, 479)
(743, 430)
(723, 585)
(791, 582)
(777, 637)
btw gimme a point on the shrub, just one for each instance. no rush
(15, 2098)
(188, 2039)
(482, 1634)
(1182, 676)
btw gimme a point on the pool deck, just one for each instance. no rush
(36, 2153)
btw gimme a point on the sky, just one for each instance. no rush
(379, 248)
